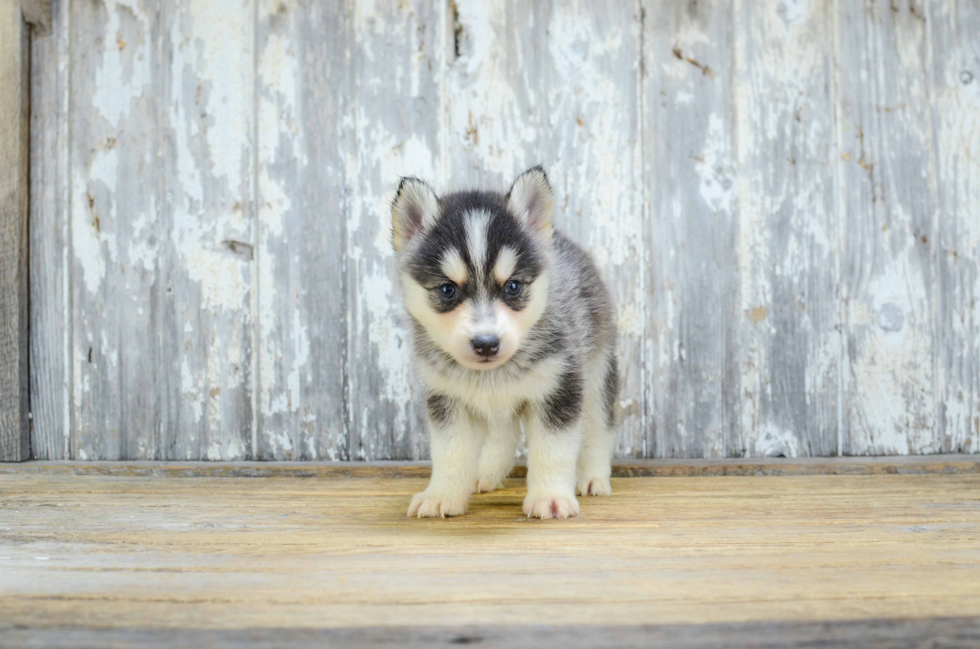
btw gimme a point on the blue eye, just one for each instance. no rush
(512, 288)
(447, 291)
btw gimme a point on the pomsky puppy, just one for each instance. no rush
(510, 322)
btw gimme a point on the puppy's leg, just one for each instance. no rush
(456, 438)
(598, 436)
(554, 434)
(497, 456)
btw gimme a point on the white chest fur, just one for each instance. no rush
(496, 394)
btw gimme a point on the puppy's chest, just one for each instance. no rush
(496, 394)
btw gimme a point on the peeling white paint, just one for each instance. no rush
(124, 73)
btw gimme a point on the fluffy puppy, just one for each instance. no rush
(511, 323)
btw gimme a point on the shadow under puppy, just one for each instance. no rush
(510, 321)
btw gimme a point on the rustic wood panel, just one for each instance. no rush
(787, 228)
(234, 553)
(782, 197)
(160, 206)
(955, 103)
(50, 326)
(304, 144)
(557, 83)
(397, 52)
(15, 61)
(689, 153)
(888, 209)
(14, 194)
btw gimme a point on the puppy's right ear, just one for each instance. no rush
(414, 210)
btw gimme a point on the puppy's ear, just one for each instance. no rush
(414, 210)
(530, 201)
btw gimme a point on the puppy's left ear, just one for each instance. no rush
(530, 201)
(414, 210)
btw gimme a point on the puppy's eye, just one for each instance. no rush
(513, 288)
(447, 291)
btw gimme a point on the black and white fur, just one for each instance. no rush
(511, 322)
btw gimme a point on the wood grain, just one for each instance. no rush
(397, 55)
(955, 105)
(241, 553)
(789, 320)
(782, 197)
(694, 387)
(303, 202)
(15, 61)
(888, 191)
(50, 351)
(161, 188)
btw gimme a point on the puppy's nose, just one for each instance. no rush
(486, 346)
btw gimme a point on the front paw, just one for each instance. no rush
(430, 504)
(594, 487)
(551, 505)
(486, 485)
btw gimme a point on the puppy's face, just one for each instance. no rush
(473, 266)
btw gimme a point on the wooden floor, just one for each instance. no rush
(89, 558)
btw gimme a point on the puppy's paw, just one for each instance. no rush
(594, 487)
(428, 504)
(558, 505)
(486, 485)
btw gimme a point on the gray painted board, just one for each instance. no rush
(693, 392)
(50, 185)
(788, 318)
(396, 54)
(302, 101)
(160, 193)
(955, 104)
(888, 211)
(783, 196)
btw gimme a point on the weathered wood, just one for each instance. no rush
(397, 51)
(111, 552)
(789, 347)
(38, 14)
(955, 104)
(693, 387)
(557, 83)
(207, 149)
(630, 468)
(303, 99)
(935, 632)
(15, 61)
(50, 326)
(161, 224)
(887, 179)
(782, 197)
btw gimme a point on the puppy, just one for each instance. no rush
(511, 323)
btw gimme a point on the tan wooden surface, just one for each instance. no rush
(226, 553)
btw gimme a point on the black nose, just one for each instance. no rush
(486, 346)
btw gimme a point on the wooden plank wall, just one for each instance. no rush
(784, 197)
